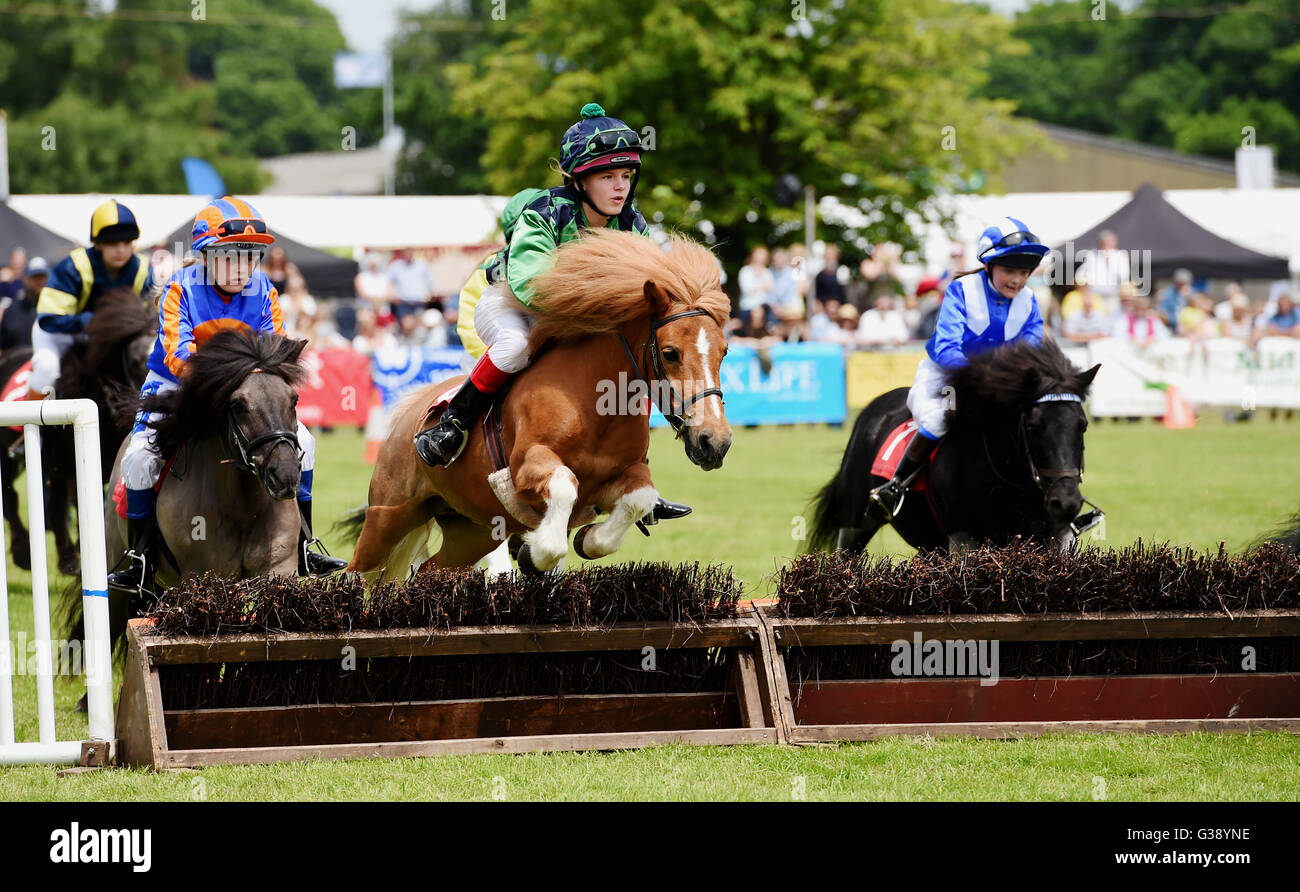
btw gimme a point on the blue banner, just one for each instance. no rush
(804, 384)
(398, 371)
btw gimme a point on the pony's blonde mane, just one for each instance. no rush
(598, 282)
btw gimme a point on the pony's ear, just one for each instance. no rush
(295, 350)
(656, 297)
(1085, 378)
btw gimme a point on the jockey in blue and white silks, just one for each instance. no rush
(981, 309)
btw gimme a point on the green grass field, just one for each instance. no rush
(1219, 482)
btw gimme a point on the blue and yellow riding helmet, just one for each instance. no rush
(112, 222)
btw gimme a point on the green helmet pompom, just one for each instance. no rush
(592, 110)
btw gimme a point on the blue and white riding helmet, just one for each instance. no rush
(1010, 243)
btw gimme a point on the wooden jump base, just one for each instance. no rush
(155, 734)
(867, 709)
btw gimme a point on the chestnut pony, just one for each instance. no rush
(615, 313)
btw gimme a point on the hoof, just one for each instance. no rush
(579, 538)
(514, 544)
(70, 566)
(23, 555)
(524, 557)
(82, 703)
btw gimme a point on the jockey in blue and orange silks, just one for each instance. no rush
(981, 309)
(224, 290)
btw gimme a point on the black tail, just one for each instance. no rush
(837, 501)
(350, 526)
(842, 502)
(827, 510)
(1288, 535)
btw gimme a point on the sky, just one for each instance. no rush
(368, 24)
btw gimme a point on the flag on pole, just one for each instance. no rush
(201, 178)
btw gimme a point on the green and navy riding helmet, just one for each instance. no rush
(599, 142)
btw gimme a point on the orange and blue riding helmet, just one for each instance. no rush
(229, 223)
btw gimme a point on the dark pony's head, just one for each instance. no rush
(1027, 402)
(1009, 380)
(118, 340)
(237, 381)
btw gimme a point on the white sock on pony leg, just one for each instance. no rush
(607, 537)
(549, 543)
(498, 561)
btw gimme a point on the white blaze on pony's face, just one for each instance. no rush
(691, 350)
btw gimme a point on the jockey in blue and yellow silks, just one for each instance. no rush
(225, 290)
(67, 301)
(981, 309)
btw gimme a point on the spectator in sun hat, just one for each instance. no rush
(1240, 323)
(1285, 323)
(1139, 324)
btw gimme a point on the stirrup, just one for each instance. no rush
(448, 421)
(132, 558)
(1088, 519)
(876, 498)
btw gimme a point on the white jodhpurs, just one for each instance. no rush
(928, 400)
(47, 355)
(503, 325)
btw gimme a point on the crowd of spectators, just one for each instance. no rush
(397, 301)
(869, 308)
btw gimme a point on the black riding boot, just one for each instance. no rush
(887, 499)
(139, 557)
(313, 563)
(438, 446)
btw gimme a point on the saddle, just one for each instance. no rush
(16, 388)
(891, 453)
(500, 480)
(491, 422)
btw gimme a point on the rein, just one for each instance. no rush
(651, 348)
(1044, 478)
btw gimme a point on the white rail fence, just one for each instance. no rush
(95, 650)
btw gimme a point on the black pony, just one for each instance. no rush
(107, 363)
(1010, 464)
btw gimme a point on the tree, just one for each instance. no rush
(445, 144)
(128, 94)
(867, 100)
(1187, 74)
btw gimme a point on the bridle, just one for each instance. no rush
(245, 460)
(678, 420)
(1044, 478)
(1050, 475)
